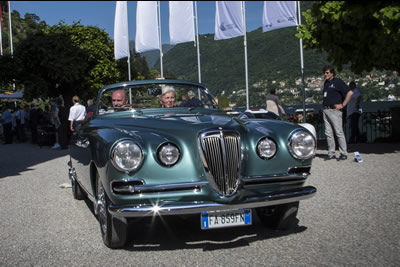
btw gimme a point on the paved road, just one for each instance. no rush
(353, 220)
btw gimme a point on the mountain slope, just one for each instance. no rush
(151, 56)
(272, 55)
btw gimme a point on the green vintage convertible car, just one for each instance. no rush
(162, 147)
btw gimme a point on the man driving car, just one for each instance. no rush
(119, 98)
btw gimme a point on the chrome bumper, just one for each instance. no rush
(181, 208)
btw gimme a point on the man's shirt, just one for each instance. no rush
(77, 112)
(334, 92)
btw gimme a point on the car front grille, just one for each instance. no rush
(221, 158)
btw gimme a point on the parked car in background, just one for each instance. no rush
(143, 159)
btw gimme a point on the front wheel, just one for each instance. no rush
(113, 229)
(279, 217)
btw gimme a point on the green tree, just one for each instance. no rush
(93, 59)
(21, 28)
(60, 59)
(49, 64)
(154, 74)
(364, 34)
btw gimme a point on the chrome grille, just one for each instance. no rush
(221, 157)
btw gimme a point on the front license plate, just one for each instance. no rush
(211, 220)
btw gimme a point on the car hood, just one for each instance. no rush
(183, 127)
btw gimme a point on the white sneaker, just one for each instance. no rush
(56, 146)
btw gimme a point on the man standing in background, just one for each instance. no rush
(336, 95)
(62, 131)
(354, 112)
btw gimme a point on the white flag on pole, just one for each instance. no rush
(279, 14)
(181, 22)
(228, 19)
(147, 37)
(121, 36)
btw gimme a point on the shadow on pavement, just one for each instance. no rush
(183, 232)
(20, 157)
(364, 148)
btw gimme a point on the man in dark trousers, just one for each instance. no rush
(336, 95)
(62, 131)
(33, 123)
(354, 111)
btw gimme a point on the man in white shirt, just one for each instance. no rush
(76, 114)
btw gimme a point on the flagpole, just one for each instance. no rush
(245, 54)
(11, 41)
(1, 36)
(302, 66)
(129, 56)
(1, 33)
(197, 42)
(129, 67)
(129, 76)
(159, 37)
(9, 24)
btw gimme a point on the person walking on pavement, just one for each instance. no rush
(336, 95)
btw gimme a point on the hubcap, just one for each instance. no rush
(101, 208)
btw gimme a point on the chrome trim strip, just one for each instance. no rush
(168, 187)
(196, 207)
(274, 179)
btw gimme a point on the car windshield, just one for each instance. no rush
(159, 95)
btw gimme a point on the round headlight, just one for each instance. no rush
(266, 148)
(127, 156)
(168, 154)
(302, 145)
